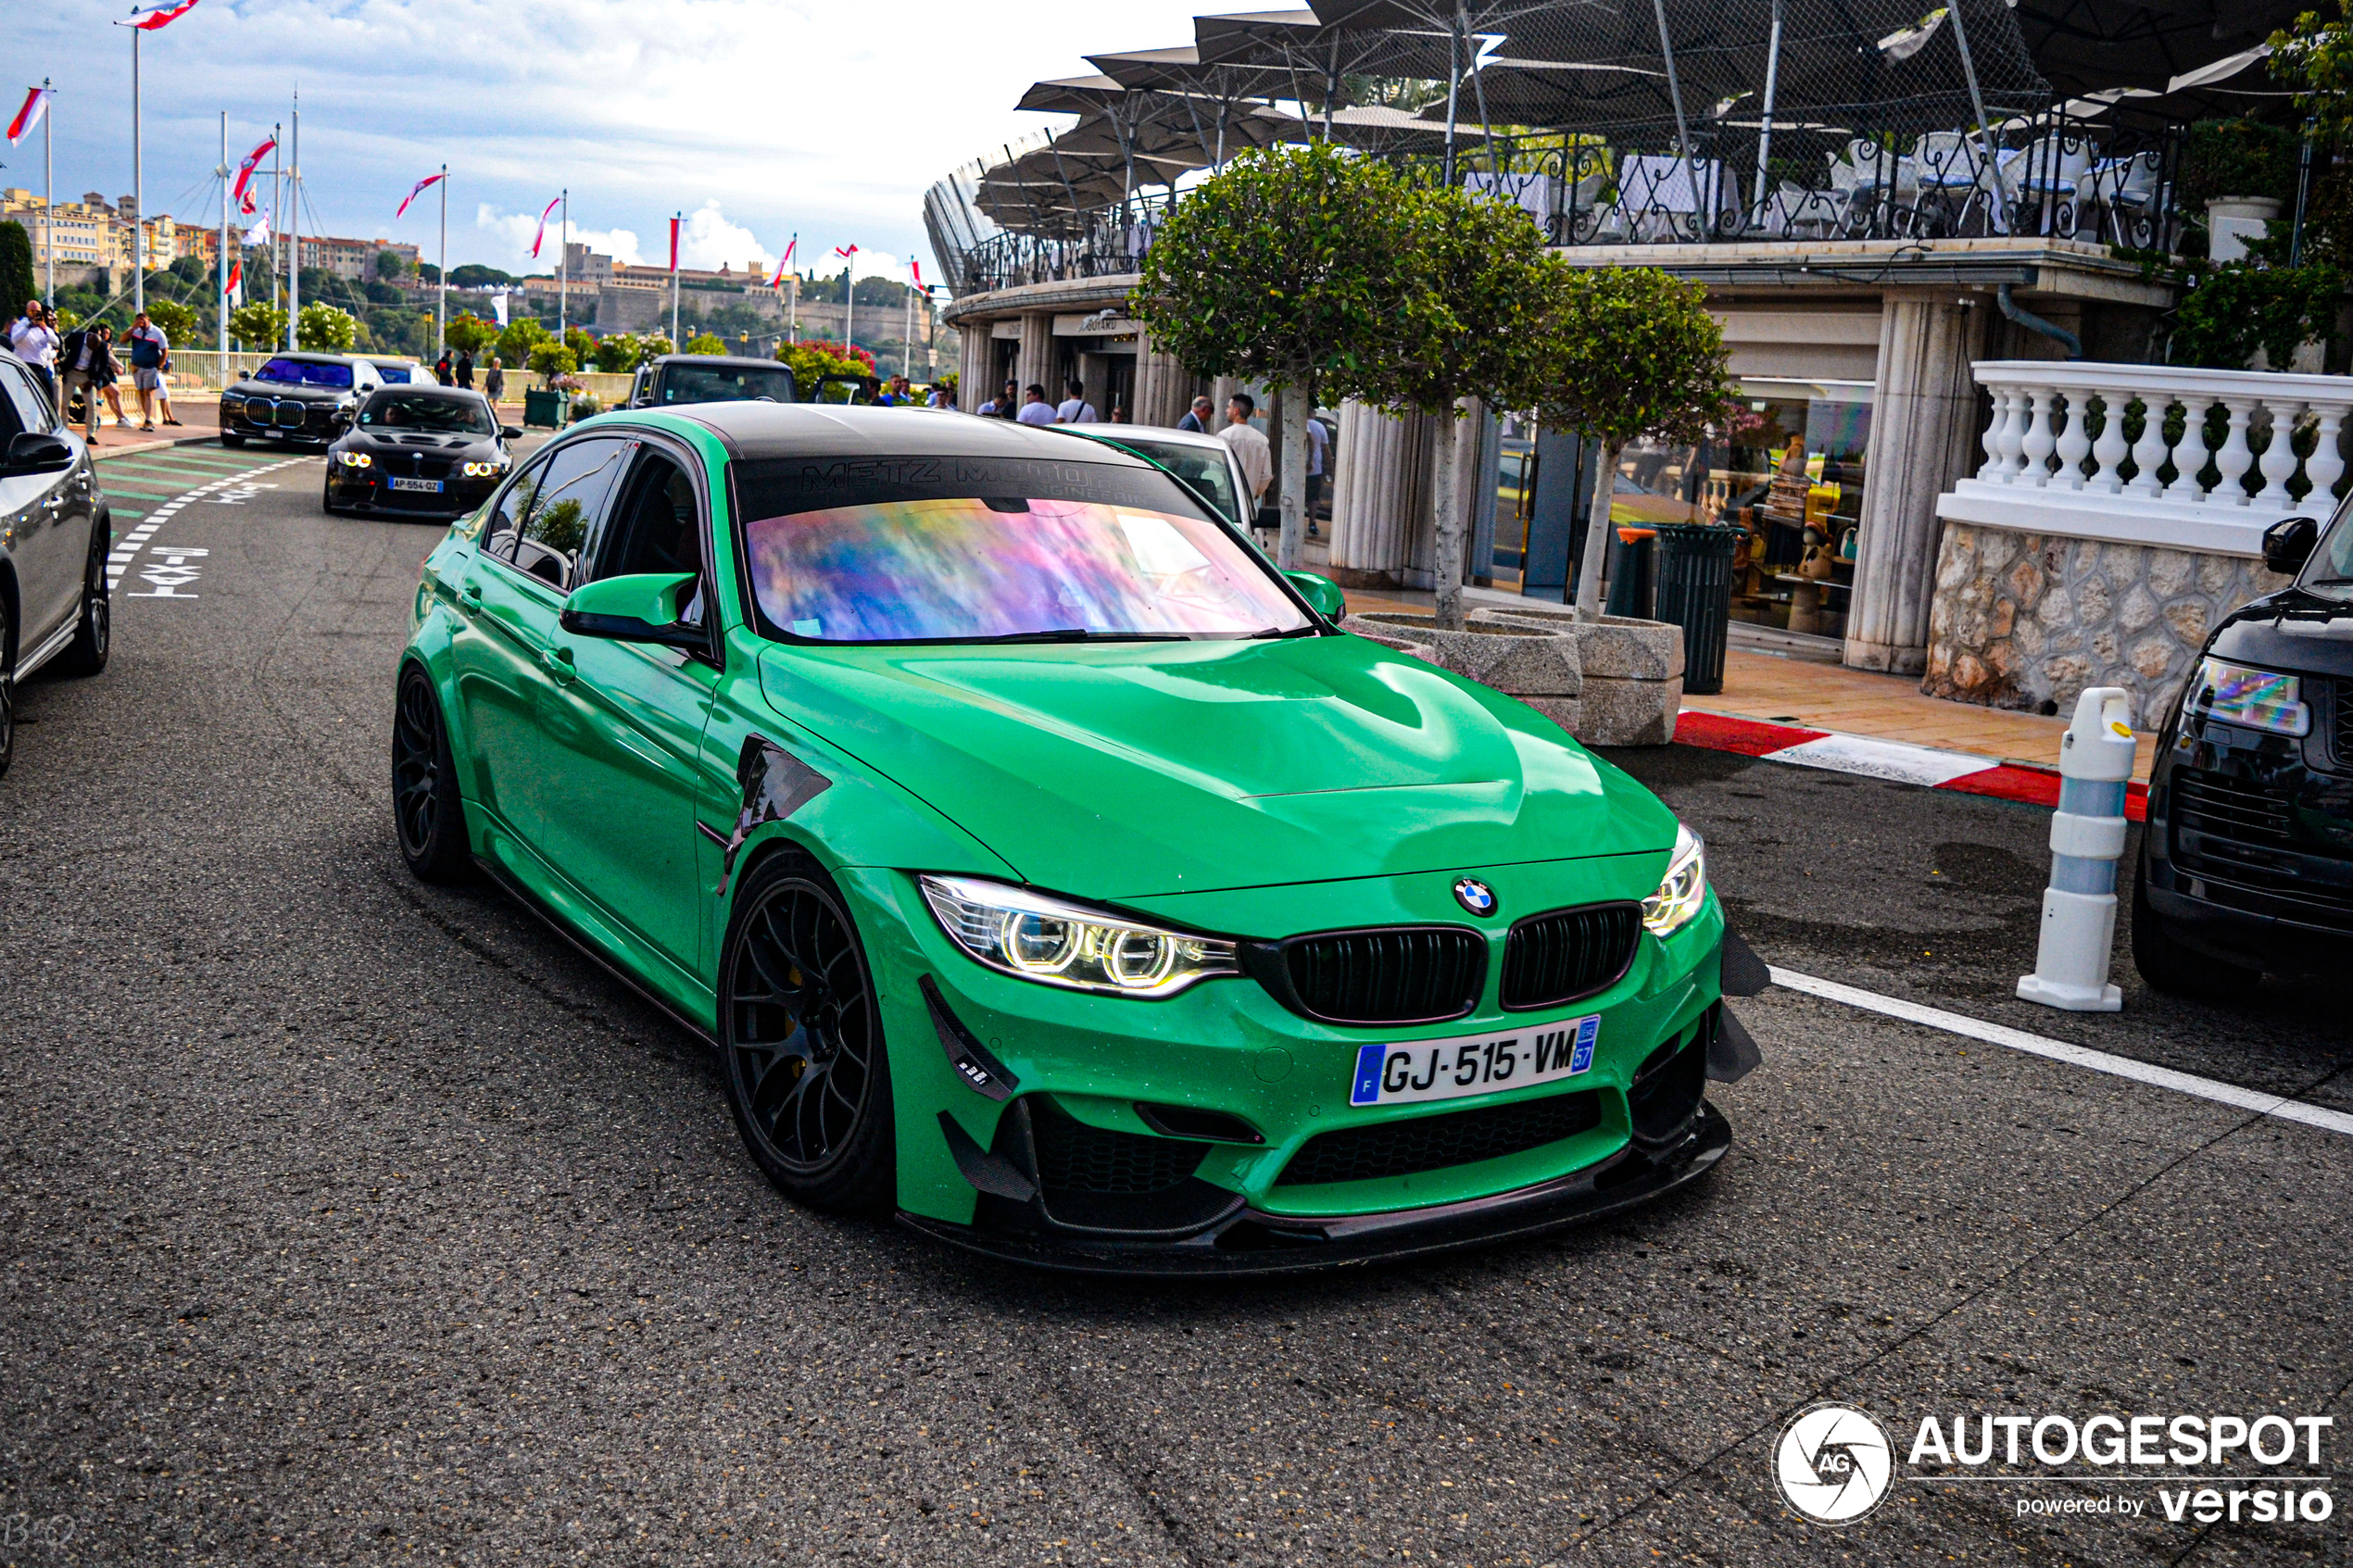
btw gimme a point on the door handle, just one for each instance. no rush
(54, 503)
(469, 593)
(558, 658)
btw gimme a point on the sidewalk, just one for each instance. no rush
(1780, 689)
(200, 416)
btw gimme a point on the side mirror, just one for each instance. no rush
(640, 609)
(33, 452)
(2287, 543)
(1321, 592)
(510, 433)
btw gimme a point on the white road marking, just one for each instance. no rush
(239, 485)
(2074, 1056)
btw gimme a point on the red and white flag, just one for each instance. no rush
(852, 251)
(915, 268)
(259, 233)
(418, 189)
(536, 238)
(242, 189)
(36, 103)
(776, 275)
(674, 244)
(147, 18)
(237, 282)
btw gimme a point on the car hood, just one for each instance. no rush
(283, 389)
(2292, 630)
(1128, 771)
(414, 441)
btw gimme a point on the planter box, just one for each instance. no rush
(541, 406)
(1634, 670)
(1534, 664)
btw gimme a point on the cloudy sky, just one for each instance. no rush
(757, 118)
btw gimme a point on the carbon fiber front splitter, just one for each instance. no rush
(1251, 1242)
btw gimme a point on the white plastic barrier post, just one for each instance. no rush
(2087, 839)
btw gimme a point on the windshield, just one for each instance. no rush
(904, 550)
(393, 375)
(303, 372)
(2328, 573)
(437, 416)
(724, 383)
(1205, 469)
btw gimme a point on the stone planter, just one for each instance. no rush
(1634, 670)
(2230, 221)
(1535, 664)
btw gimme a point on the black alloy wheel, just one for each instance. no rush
(427, 813)
(232, 440)
(93, 639)
(808, 1078)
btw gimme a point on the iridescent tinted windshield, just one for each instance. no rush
(955, 570)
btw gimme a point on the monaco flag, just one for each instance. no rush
(36, 103)
(236, 291)
(147, 18)
(245, 173)
(542, 235)
(418, 189)
(259, 233)
(776, 275)
(674, 244)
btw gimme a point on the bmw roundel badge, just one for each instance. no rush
(1475, 895)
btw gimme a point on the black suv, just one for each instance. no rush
(2247, 864)
(710, 378)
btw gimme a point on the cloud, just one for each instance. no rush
(707, 240)
(513, 230)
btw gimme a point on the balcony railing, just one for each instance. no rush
(2153, 453)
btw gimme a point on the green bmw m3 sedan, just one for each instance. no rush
(1047, 868)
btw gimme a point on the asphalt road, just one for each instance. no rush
(347, 1221)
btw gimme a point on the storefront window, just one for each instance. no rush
(1793, 477)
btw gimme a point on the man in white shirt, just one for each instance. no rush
(1036, 411)
(1318, 440)
(1074, 409)
(1250, 446)
(32, 339)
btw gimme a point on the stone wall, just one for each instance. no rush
(2027, 620)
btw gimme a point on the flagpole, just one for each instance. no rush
(850, 305)
(441, 293)
(563, 269)
(138, 190)
(221, 303)
(49, 191)
(675, 220)
(294, 234)
(907, 343)
(277, 200)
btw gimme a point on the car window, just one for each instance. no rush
(566, 505)
(423, 412)
(26, 408)
(394, 375)
(2328, 571)
(723, 384)
(1208, 469)
(512, 507)
(656, 526)
(303, 372)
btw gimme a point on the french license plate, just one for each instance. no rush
(431, 486)
(1473, 1064)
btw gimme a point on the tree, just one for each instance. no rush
(1293, 266)
(15, 269)
(258, 324)
(521, 335)
(470, 333)
(1631, 353)
(617, 352)
(582, 345)
(178, 321)
(1490, 284)
(473, 275)
(328, 328)
(551, 360)
(707, 343)
(653, 346)
(428, 273)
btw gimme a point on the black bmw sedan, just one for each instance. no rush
(306, 397)
(418, 451)
(2247, 864)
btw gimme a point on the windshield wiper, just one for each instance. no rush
(1081, 634)
(1279, 632)
(2328, 582)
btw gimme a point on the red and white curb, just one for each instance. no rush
(1895, 760)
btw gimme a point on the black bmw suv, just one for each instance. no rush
(2247, 864)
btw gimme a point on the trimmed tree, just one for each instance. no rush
(178, 320)
(1493, 291)
(471, 335)
(706, 342)
(259, 324)
(326, 328)
(1632, 354)
(518, 338)
(653, 346)
(617, 352)
(1294, 267)
(15, 269)
(551, 360)
(583, 345)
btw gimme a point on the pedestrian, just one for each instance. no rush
(1318, 441)
(150, 353)
(34, 341)
(1118, 414)
(1036, 411)
(108, 370)
(494, 383)
(466, 369)
(1009, 402)
(441, 372)
(78, 357)
(1075, 409)
(1248, 445)
(1197, 417)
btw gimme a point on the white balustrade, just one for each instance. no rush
(2038, 445)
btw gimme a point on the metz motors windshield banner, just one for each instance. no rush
(1836, 1464)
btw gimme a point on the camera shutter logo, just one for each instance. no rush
(1834, 1463)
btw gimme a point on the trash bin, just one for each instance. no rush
(543, 406)
(1695, 593)
(1633, 570)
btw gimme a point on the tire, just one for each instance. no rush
(2174, 967)
(94, 637)
(8, 696)
(327, 497)
(231, 442)
(808, 1075)
(429, 816)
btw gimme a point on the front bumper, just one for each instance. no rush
(285, 419)
(365, 491)
(1248, 1241)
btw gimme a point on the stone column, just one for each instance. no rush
(1036, 363)
(1380, 498)
(1924, 437)
(972, 369)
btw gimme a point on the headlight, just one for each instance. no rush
(355, 459)
(2256, 698)
(483, 470)
(1016, 932)
(1683, 892)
